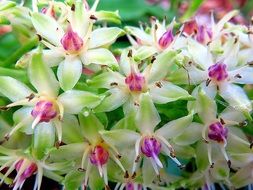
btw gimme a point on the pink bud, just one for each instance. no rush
(71, 41)
(166, 39)
(99, 156)
(135, 82)
(45, 110)
(218, 72)
(217, 132)
(151, 147)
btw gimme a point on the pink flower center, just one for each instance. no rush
(45, 110)
(218, 72)
(166, 39)
(71, 41)
(99, 156)
(131, 186)
(135, 82)
(29, 171)
(204, 34)
(217, 132)
(151, 147)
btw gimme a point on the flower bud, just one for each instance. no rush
(217, 132)
(45, 110)
(99, 156)
(166, 39)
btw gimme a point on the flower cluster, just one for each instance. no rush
(164, 112)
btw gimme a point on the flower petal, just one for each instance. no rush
(13, 89)
(147, 172)
(71, 129)
(190, 135)
(74, 100)
(242, 177)
(69, 72)
(175, 127)
(139, 34)
(20, 115)
(161, 66)
(113, 101)
(147, 116)
(90, 126)
(236, 97)
(44, 138)
(168, 92)
(100, 56)
(42, 77)
(244, 73)
(144, 52)
(104, 36)
(48, 28)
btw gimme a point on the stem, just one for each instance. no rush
(21, 51)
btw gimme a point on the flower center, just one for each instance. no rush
(45, 110)
(166, 39)
(28, 172)
(218, 72)
(151, 147)
(131, 186)
(217, 132)
(99, 156)
(71, 41)
(135, 82)
(204, 35)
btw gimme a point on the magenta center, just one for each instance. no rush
(45, 110)
(71, 41)
(135, 82)
(218, 72)
(166, 39)
(28, 172)
(99, 156)
(217, 132)
(151, 147)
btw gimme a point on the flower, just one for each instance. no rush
(149, 143)
(125, 88)
(78, 44)
(43, 109)
(94, 151)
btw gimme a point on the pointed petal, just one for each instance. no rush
(147, 116)
(100, 56)
(148, 172)
(71, 130)
(175, 127)
(13, 89)
(168, 92)
(113, 101)
(48, 28)
(90, 126)
(104, 36)
(161, 66)
(242, 177)
(20, 115)
(144, 52)
(74, 101)
(44, 138)
(139, 34)
(73, 179)
(122, 138)
(69, 72)
(42, 77)
(236, 97)
(190, 135)
(200, 54)
(245, 74)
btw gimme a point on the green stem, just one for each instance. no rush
(17, 74)
(21, 51)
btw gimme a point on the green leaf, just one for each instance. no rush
(195, 4)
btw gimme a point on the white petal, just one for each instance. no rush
(69, 72)
(245, 75)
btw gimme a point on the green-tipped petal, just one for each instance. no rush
(44, 138)
(13, 89)
(108, 16)
(139, 34)
(90, 126)
(42, 77)
(73, 180)
(122, 138)
(71, 129)
(113, 101)
(48, 28)
(168, 92)
(161, 66)
(104, 36)
(144, 52)
(243, 177)
(69, 72)
(175, 127)
(189, 135)
(147, 116)
(100, 56)
(74, 101)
